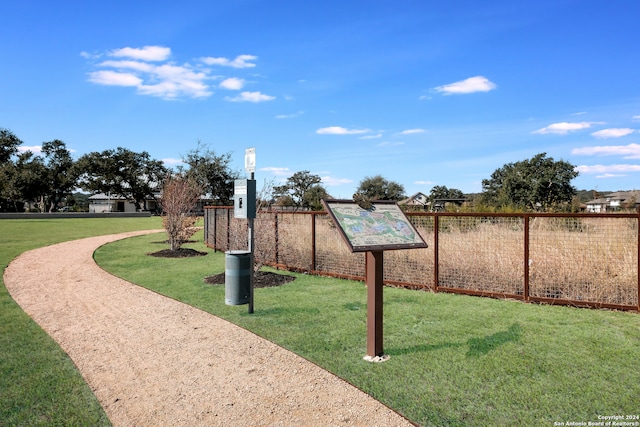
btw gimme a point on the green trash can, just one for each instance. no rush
(237, 277)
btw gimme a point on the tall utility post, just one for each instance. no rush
(239, 264)
(250, 167)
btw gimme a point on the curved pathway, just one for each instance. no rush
(153, 361)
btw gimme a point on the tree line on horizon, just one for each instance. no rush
(48, 181)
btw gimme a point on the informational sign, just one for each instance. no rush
(250, 160)
(373, 227)
(382, 226)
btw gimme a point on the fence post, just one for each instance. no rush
(205, 219)
(436, 250)
(638, 255)
(228, 230)
(215, 226)
(313, 241)
(275, 214)
(526, 257)
(216, 230)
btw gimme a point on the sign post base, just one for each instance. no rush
(377, 359)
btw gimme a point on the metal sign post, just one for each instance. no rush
(374, 281)
(250, 167)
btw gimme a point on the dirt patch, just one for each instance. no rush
(261, 279)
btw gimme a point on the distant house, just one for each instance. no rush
(100, 203)
(419, 199)
(620, 200)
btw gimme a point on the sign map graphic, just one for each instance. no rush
(383, 226)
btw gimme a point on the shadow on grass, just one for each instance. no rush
(477, 346)
(481, 346)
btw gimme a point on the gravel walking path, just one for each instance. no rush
(153, 361)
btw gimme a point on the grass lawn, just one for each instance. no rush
(455, 360)
(39, 385)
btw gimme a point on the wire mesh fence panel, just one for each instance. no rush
(265, 241)
(584, 259)
(238, 234)
(222, 228)
(412, 268)
(423, 223)
(295, 244)
(482, 253)
(332, 253)
(572, 258)
(209, 228)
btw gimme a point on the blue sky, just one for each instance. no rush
(421, 92)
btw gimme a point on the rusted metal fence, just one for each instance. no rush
(572, 259)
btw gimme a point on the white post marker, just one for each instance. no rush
(250, 160)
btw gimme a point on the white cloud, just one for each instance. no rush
(613, 133)
(635, 118)
(88, 55)
(607, 169)
(232, 83)
(132, 65)
(147, 53)
(114, 78)
(631, 151)
(610, 175)
(424, 182)
(35, 149)
(175, 81)
(166, 80)
(241, 61)
(470, 85)
(173, 90)
(275, 171)
(564, 127)
(376, 136)
(149, 70)
(172, 162)
(290, 116)
(251, 97)
(339, 130)
(328, 180)
(411, 131)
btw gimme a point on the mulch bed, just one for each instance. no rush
(178, 253)
(261, 279)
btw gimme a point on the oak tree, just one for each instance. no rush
(539, 183)
(133, 176)
(302, 190)
(379, 188)
(212, 172)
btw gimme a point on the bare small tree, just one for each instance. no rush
(261, 249)
(180, 196)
